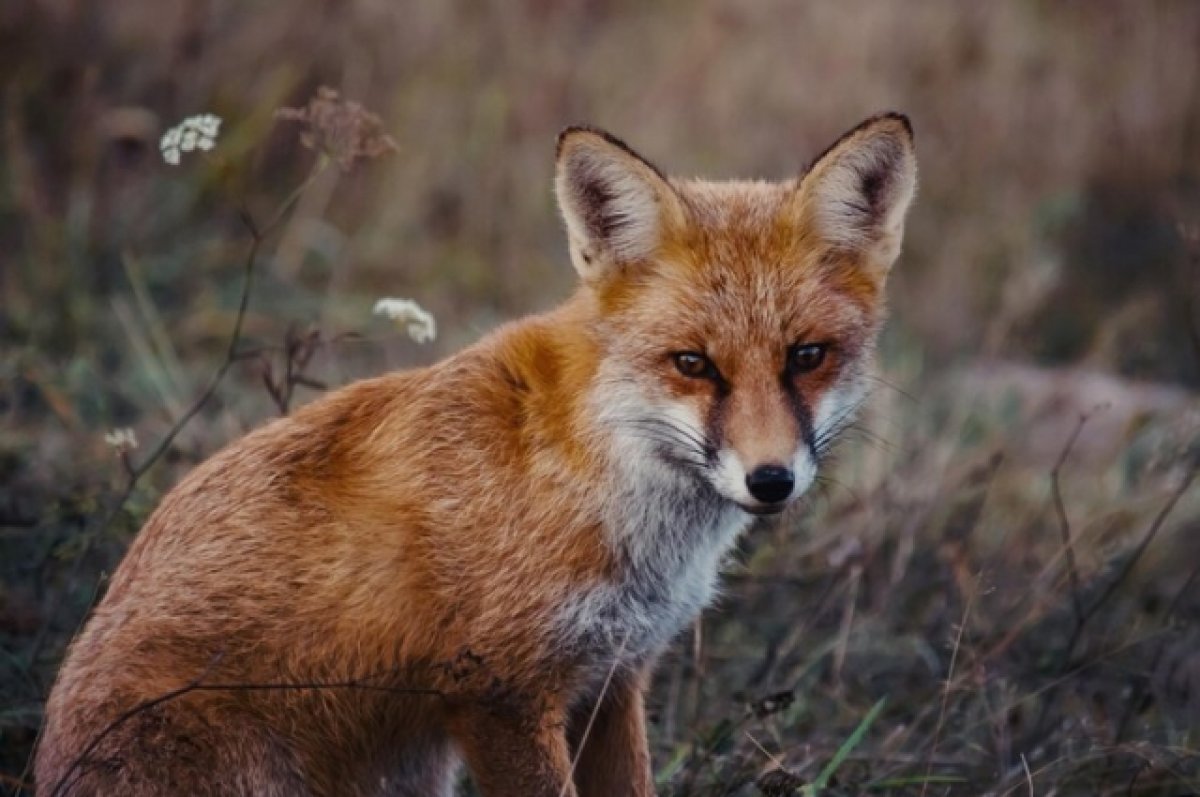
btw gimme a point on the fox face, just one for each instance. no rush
(738, 318)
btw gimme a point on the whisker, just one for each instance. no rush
(686, 431)
(826, 481)
(677, 450)
(664, 438)
(676, 433)
(824, 441)
(870, 438)
(838, 424)
(900, 390)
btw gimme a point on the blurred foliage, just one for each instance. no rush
(1060, 153)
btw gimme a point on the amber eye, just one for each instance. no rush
(807, 357)
(694, 366)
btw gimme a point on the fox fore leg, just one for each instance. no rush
(614, 758)
(514, 752)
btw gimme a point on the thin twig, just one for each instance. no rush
(774, 758)
(1063, 523)
(18, 784)
(197, 685)
(69, 777)
(847, 624)
(937, 731)
(592, 718)
(1139, 692)
(297, 352)
(1066, 667)
(1130, 563)
(1191, 238)
(135, 473)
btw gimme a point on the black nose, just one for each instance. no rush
(770, 483)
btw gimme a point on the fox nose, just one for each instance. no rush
(770, 483)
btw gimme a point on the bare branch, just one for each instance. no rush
(1130, 563)
(1063, 523)
(937, 732)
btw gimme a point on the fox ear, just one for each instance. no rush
(855, 195)
(615, 203)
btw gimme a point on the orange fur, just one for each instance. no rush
(446, 562)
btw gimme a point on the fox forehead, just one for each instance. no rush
(739, 273)
(748, 205)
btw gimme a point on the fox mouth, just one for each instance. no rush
(763, 510)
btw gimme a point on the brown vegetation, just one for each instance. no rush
(1030, 612)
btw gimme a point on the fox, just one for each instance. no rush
(478, 563)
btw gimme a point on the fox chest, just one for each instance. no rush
(669, 569)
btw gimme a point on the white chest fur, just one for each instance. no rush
(669, 536)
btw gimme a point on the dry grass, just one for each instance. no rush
(1044, 277)
(945, 587)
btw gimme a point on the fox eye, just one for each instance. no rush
(695, 366)
(807, 357)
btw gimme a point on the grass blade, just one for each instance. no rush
(847, 747)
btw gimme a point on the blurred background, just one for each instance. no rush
(1007, 550)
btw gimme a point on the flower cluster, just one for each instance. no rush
(195, 132)
(343, 130)
(416, 320)
(121, 439)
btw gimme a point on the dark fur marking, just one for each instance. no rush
(715, 422)
(872, 187)
(514, 380)
(801, 412)
(597, 199)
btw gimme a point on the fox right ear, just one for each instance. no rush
(855, 195)
(615, 203)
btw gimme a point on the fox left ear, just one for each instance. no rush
(615, 203)
(855, 195)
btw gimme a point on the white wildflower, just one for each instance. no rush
(195, 132)
(121, 439)
(416, 320)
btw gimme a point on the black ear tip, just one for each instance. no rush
(893, 116)
(608, 138)
(587, 130)
(894, 123)
(569, 131)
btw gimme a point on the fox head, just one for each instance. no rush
(736, 320)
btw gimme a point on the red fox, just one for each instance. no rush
(479, 562)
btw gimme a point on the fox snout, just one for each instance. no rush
(763, 488)
(765, 458)
(771, 484)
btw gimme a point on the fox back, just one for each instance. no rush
(481, 560)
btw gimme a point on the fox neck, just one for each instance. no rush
(669, 531)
